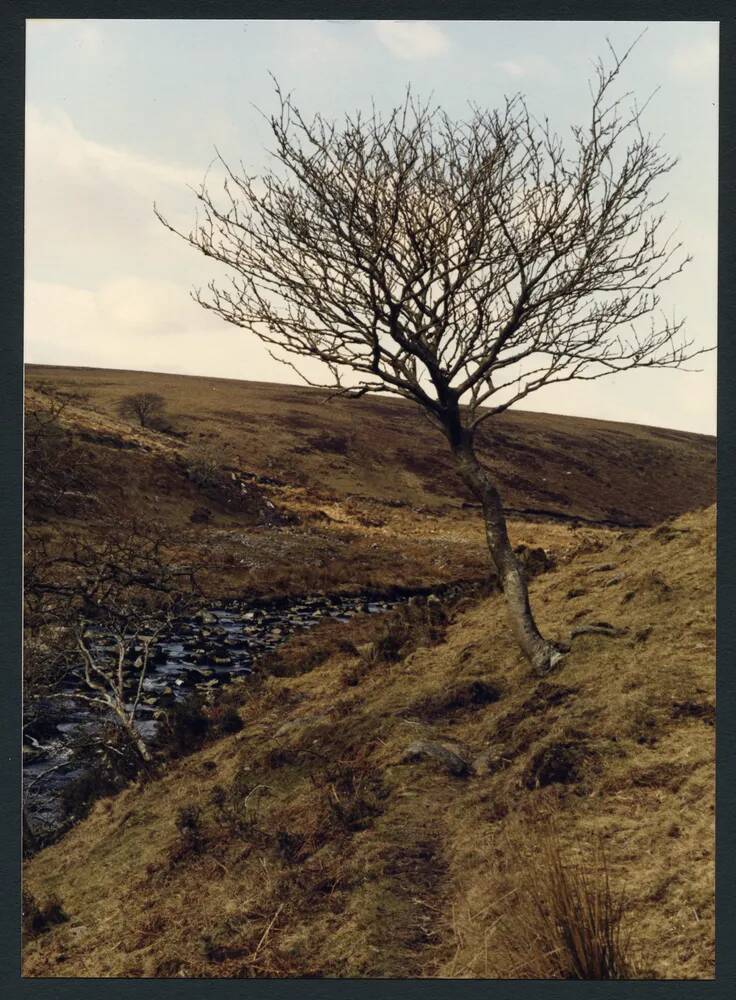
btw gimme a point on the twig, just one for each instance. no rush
(55, 767)
(266, 932)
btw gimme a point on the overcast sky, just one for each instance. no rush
(124, 113)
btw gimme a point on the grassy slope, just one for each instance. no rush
(324, 853)
(367, 449)
(372, 508)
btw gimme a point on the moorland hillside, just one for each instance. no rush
(384, 807)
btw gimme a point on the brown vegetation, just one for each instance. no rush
(584, 470)
(312, 843)
(567, 921)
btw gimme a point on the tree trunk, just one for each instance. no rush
(140, 744)
(134, 736)
(541, 653)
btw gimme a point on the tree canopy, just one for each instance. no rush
(471, 261)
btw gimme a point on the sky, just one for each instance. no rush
(124, 113)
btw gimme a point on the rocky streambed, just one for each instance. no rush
(201, 653)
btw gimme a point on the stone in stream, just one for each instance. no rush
(192, 675)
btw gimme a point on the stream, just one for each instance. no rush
(205, 651)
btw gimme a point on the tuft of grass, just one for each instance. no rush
(419, 622)
(39, 918)
(567, 922)
(185, 728)
(353, 792)
(191, 839)
(225, 720)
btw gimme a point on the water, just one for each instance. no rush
(203, 653)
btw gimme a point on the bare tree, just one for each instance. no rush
(107, 602)
(54, 466)
(116, 654)
(202, 465)
(460, 264)
(145, 407)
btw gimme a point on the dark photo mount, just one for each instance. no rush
(358, 803)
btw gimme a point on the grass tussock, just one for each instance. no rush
(565, 921)
(37, 918)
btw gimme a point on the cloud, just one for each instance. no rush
(412, 39)
(106, 284)
(86, 36)
(127, 322)
(135, 323)
(698, 60)
(533, 67)
(55, 135)
(89, 205)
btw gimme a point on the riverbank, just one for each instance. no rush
(197, 656)
(389, 789)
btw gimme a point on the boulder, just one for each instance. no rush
(448, 758)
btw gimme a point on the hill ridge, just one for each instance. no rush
(384, 451)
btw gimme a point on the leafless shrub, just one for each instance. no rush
(54, 469)
(202, 466)
(183, 729)
(419, 622)
(145, 407)
(104, 601)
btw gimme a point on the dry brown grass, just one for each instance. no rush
(307, 843)
(365, 450)
(368, 511)
(350, 860)
(564, 920)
